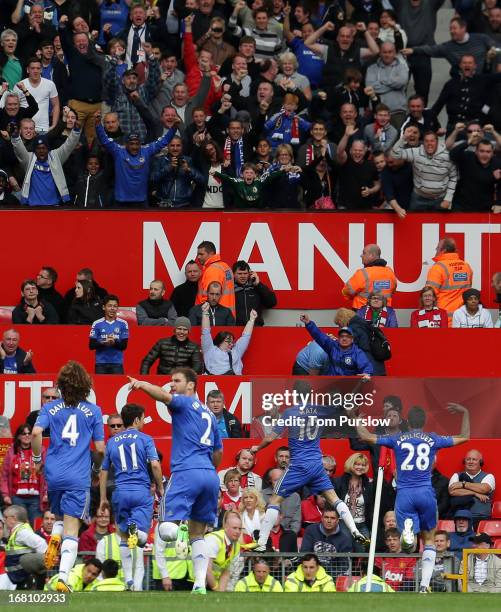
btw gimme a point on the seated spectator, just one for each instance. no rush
(218, 315)
(177, 351)
(223, 355)
(472, 313)
(110, 581)
(21, 484)
(378, 585)
(13, 359)
(46, 285)
(85, 274)
(389, 522)
(109, 337)
(245, 462)
(259, 580)
(377, 312)
(356, 489)
(86, 306)
(48, 519)
(183, 296)
(310, 577)
(380, 135)
(328, 537)
(429, 315)
(100, 527)
(156, 310)
(228, 424)
(248, 190)
(232, 494)
(484, 570)
(311, 510)
(251, 508)
(473, 488)
(345, 358)
(442, 544)
(398, 572)
(311, 360)
(32, 310)
(250, 294)
(463, 530)
(290, 508)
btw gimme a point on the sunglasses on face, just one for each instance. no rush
(115, 425)
(50, 397)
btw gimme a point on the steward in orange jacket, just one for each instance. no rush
(449, 276)
(374, 276)
(216, 270)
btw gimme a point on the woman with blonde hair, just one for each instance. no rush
(356, 489)
(252, 509)
(290, 77)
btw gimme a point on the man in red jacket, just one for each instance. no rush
(100, 527)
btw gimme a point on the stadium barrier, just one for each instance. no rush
(463, 576)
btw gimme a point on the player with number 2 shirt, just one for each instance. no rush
(74, 423)
(416, 503)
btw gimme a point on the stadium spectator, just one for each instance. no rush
(442, 544)
(290, 508)
(378, 585)
(13, 359)
(309, 577)
(259, 580)
(463, 530)
(213, 268)
(472, 313)
(249, 189)
(377, 312)
(20, 482)
(223, 355)
(46, 285)
(473, 488)
(88, 275)
(282, 457)
(100, 527)
(86, 306)
(45, 530)
(449, 276)
(12, 69)
(380, 135)
(483, 570)
(32, 310)
(7, 200)
(228, 424)
(311, 510)
(429, 314)
(45, 93)
(218, 315)
(177, 351)
(250, 294)
(224, 552)
(245, 462)
(376, 275)
(269, 42)
(110, 580)
(29, 560)
(54, 70)
(398, 572)
(311, 360)
(419, 116)
(319, 183)
(231, 492)
(156, 310)
(12, 112)
(49, 394)
(109, 337)
(251, 508)
(183, 296)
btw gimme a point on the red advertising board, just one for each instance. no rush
(305, 257)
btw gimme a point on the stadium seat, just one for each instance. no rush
(493, 528)
(128, 315)
(343, 583)
(497, 543)
(37, 523)
(446, 525)
(5, 315)
(496, 510)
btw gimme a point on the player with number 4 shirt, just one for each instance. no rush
(416, 503)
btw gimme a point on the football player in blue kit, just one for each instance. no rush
(130, 452)
(306, 466)
(193, 488)
(416, 503)
(74, 423)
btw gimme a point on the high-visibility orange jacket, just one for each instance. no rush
(214, 270)
(449, 276)
(376, 276)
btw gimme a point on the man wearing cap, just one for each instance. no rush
(345, 358)
(174, 352)
(472, 313)
(156, 310)
(45, 181)
(484, 570)
(376, 275)
(132, 165)
(450, 276)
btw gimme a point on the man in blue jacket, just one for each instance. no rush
(345, 358)
(132, 164)
(13, 360)
(460, 538)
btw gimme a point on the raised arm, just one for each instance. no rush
(464, 434)
(341, 154)
(249, 326)
(157, 393)
(311, 40)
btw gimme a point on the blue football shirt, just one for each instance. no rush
(130, 452)
(100, 330)
(195, 434)
(72, 429)
(414, 454)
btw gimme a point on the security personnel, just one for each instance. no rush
(449, 276)
(214, 270)
(376, 275)
(110, 581)
(378, 585)
(82, 577)
(223, 550)
(24, 552)
(259, 580)
(310, 577)
(175, 574)
(109, 548)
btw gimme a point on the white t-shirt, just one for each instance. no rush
(487, 479)
(42, 94)
(214, 194)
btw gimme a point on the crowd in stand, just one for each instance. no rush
(240, 105)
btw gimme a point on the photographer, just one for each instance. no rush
(250, 294)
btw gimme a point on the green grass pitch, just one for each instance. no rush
(286, 602)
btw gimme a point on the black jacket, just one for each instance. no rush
(22, 368)
(441, 485)
(361, 335)
(81, 313)
(233, 425)
(218, 316)
(183, 297)
(23, 113)
(173, 354)
(19, 314)
(342, 485)
(55, 299)
(249, 297)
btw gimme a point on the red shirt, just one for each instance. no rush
(310, 512)
(229, 503)
(398, 572)
(436, 317)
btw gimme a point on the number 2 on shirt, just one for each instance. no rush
(70, 430)
(205, 439)
(422, 460)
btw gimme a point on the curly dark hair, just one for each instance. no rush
(74, 383)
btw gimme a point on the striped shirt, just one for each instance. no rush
(435, 176)
(268, 42)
